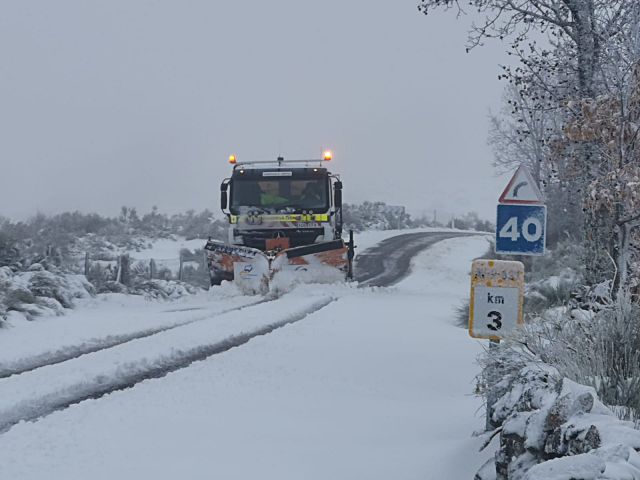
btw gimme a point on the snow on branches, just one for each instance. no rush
(616, 194)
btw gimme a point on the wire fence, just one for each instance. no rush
(189, 267)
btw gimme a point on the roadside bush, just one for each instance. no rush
(462, 314)
(374, 216)
(162, 289)
(599, 349)
(39, 291)
(552, 292)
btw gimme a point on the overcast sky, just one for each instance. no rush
(140, 102)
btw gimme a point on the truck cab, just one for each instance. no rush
(300, 204)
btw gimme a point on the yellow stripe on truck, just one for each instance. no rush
(234, 219)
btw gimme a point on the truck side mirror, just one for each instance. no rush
(223, 195)
(337, 195)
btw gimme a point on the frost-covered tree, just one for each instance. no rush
(8, 251)
(584, 25)
(613, 121)
(375, 215)
(522, 135)
(549, 92)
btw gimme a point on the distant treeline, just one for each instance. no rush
(380, 216)
(69, 234)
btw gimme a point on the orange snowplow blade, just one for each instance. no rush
(254, 269)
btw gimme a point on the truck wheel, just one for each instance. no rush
(351, 253)
(216, 280)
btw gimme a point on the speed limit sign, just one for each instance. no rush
(497, 290)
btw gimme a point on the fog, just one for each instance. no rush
(139, 103)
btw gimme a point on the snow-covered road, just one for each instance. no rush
(377, 384)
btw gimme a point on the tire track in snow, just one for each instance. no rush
(71, 352)
(383, 265)
(62, 396)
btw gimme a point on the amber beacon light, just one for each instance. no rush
(232, 159)
(327, 155)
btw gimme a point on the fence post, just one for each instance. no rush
(119, 270)
(124, 265)
(492, 381)
(87, 264)
(181, 265)
(152, 269)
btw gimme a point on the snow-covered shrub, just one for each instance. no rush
(151, 289)
(374, 216)
(48, 285)
(472, 221)
(600, 349)
(565, 256)
(17, 298)
(161, 289)
(550, 427)
(111, 286)
(101, 273)
(39, 291)
(462, 314)
(554, 291)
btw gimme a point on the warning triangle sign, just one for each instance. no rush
(522, 189)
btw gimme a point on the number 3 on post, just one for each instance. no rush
(496, 321)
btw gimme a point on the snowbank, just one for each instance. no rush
(552, 428)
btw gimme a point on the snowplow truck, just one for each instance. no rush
(285, 218)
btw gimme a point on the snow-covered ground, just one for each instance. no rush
(105, 319)
(166, 248)
(377, 384)
(166, 252)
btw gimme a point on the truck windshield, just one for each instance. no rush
(280, 194)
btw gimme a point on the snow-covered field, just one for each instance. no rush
(376, 384)
(166, 248)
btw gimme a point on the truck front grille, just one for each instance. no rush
(297, 237)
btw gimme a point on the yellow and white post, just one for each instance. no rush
(495, 309)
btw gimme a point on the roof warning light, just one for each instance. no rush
(327, 155)
(232, 159)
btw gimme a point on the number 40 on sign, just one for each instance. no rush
(497, 289)
(520, 229)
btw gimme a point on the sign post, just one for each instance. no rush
(495, 310)
(497, 286)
